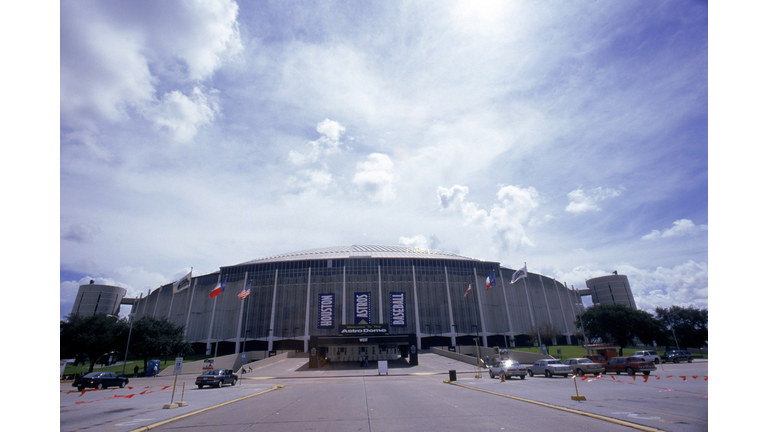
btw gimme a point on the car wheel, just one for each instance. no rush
(547, 373)
(218, 384)
(199, 386)
(234, 381)
(646, 373)
(80, 388)
(656, 361)
(676, 360)
(522, 377)
(122, 384)
(490, 373)
(690, 360)
(597, 374)
(530, 373)
(579, 372)
(630, 371)
(99, 386)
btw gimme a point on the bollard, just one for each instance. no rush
(451, 375)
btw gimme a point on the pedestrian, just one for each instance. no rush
(360, 358)
(136, 371)
(487, 361)
(366, 361)
(154, 371)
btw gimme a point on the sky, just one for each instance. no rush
(568, 136)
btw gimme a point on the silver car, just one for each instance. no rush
(582, 366)
(549, 368)
(510, 368)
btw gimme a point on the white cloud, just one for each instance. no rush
(583, 201)
(184, 115)
(679, 228)
(507, 221)
(310, 180)
(417, 241)
(324, 146)
(128, 53)
(375, 177)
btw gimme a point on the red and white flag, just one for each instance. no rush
(468, 290)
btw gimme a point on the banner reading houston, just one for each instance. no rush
(325, 310)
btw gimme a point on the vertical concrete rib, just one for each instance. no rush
(309, 302)
(480, 308)
(416, 308)
(450, 306)
(189, 309)
(270, 336)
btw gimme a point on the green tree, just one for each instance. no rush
(690, 325)
(620, 324)
(91, 335)
(157, 337)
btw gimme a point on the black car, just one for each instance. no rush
(676, 356)
(216, 378)
(100, 380)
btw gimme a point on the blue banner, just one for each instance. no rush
(397, 309)
(363, 308)
(325, 310)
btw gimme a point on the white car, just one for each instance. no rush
(651, 356)
(582, 366)
(548, 368)
(510, 368)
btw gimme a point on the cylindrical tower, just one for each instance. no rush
(611, 289)
(95, 298)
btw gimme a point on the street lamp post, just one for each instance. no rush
(130, 329)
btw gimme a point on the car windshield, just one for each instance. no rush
(214, 372)
(508, 363)
(634, 359)
(555, 362)
(584, 361)
(94, 374)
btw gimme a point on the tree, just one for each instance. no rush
(92, 335)
(690, 325)
(620, 324)
(157, 337)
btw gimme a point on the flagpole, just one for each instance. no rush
(530, 306)
(240, 315)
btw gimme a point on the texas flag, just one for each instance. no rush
(218, 290)
(490, 281)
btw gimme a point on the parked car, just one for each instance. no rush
(597, 358)
(676, 356)
(549, 367)
(581, 366)
(100, 380)
(216, 378)
(510, 368)
(648, 356)
(630, 365)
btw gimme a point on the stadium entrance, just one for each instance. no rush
(334, 349)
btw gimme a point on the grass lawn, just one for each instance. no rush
(118, 367)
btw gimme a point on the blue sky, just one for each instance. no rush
(572, 136)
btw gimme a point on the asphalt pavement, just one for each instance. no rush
(287, 395)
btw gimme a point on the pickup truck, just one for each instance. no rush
(676, 355)
(630, 365)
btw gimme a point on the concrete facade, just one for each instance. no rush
(318, 292)
(95, 298)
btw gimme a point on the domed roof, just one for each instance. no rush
(360, 251)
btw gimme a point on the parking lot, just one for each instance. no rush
(286, 395)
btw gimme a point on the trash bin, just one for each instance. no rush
(383, 367)
(451, 375)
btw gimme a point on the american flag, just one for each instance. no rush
(244, 293)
